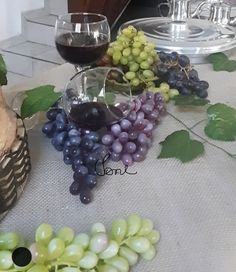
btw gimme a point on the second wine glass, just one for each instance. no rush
(82, 38)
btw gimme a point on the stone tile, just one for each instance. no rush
(41, 66)
(51, 56)
(14, 79)
(29, 49)
(58, 7)
(12, 41)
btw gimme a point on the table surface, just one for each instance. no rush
(193, 205)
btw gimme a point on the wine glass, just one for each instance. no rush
(104, 100)
(82, 38)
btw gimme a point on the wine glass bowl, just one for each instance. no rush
(103, 100)
(82, 38)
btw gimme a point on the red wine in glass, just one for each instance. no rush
(95, 115)
(81, 48)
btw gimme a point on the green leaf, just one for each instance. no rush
(222, 122)
(39, 99)
(221, 62)
(179, 145)
(3, 72)
(189, 100)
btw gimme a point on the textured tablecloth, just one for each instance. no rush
(193, 204)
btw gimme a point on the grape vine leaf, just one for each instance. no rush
(3, 72)
(189, 100)
(39, 99)
(222, 122)
(179, 145)
(221, 62)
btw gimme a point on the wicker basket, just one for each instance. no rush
(14, 170)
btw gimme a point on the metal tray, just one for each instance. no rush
(196, 38)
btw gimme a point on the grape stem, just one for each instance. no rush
(202, 138)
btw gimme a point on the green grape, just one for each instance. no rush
(153, 236)
(97, 227)
(164, 87)
(107, 268)
(117, 55)
(126, 52)
(134, 224)
(144, 65)
(147, 49)
(133, 67)
(72, 253)
(149, 254)
(129, 255)
(98, 242)
(56, 248)
(143, 55)
(39, 253)
(111, 250)
(165, 96)
(153, 53)
(140, 32)
(118, 47)
(137, 44)
(150, 60)
(66, 234)
(148, 74)
(173, 93)
(38, 268)
(89, 260)
(124, 61)
(110, 51)
(139, 244)
(119, 228)
(115, 62)
(120, 263)
(130, 58)
(70, 269)
(9, 240)
(44, 233)
(136, 51)
(5, 259)
(135, 82)
(139, 60)
(146, 227)
(82, 239)
(130, 75)
(24, 268)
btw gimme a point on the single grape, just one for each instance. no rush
(56, 248)
(144, 65)
(44, 233)
(108, 139)
(48, 129)
(75, 140)
(162, 56)
(72, 253)
(116, 55)
(185, 91)
(123, 137)
(89, 260)
(81, 170)
(130, 75)
(149, 254)
(67, 159)
(138, 244)
(9, 240)
(136, 51)
(85, 196)
(133, 224)
(138, 157)
(134, 67)
(115, 156)
(5, 260)
(117, 147)
(98, 242)
(174, 56)
(173, 93)
(38, 252)
(82, 239)
(146, 227)
(107, 268)
(119, 229)
(132, 116)
(133, 135)
(148, 74)
(126, 124)
(202, 93)
(129, 255)
(66, 234)
(183, 61)
(73, 133)
(116, 129)
(111, 250)
(97, 227)
(147, 108)
(130, 147)
(126, 52)
(91, 181)
(153, 236)
(120, 263)
(127, 159)
(75, 188)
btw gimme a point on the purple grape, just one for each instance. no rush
(130, 147)
(67, 160)
(150, 95)
(138, 157)
(154, 115)
(75, 140)
(60, 126)
(52, 114)
(117, 147)
(61, 118)
(91, 159)
(123, 106)
(77, 161)
(75, 188)
(148, 128)
(123, 137)
(115, 156)
(142, 98)
(147, 108)
(127, 159)
(107, 139)
(132, 116)
(138, 104)
(140, 115)
(73, 132)
(91, 181)
(116, 129)
(158, 98)
(140, 124)
(57, 146)
(142, 150)
(81, 170)
(87, 144)
(125, 124)
(132, 105)
(93, 136)
(85, 196)
(133, 135)
(142, 139)
(71, 126)
(49, 129)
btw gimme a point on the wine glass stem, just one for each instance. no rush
(81, 68)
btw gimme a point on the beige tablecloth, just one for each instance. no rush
(193, 204)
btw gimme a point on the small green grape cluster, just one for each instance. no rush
(99, 251)
(165, 90)
(137, 56)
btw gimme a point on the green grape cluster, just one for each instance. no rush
(98, 251)
(165, 90)
(136, 55)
